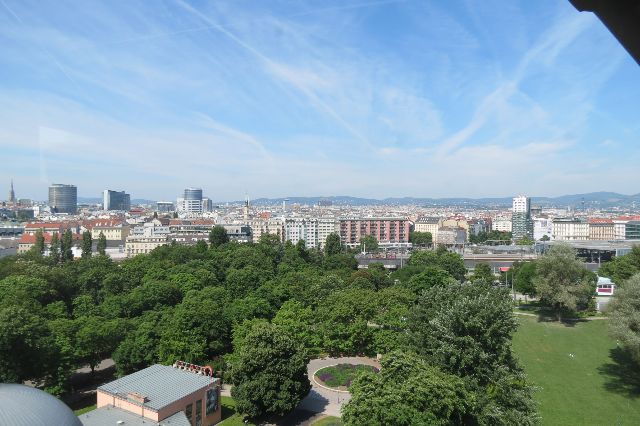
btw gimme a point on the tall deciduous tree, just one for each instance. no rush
(102, 244)
(298, 321)
(622, 267)
(407, 391)
(39, 244)
(344, 321)
(466, 330)
(420, 238)
(66, 253)
(442, 258)
(218, 236)
(369, 243)
(268, 372)
(431, 276)
(87, 245)
(624, 316)
(197, 330)
(333, 244)
(523, 276)
(562, 280)
(54, 250)
(96, 339)
(482, 272)
(26, 345)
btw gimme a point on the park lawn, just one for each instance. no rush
(85, 410)
(229, 415)
(588, 388)
(328, 421)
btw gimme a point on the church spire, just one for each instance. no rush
(12, 194)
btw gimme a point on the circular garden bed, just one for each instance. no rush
(340, 376)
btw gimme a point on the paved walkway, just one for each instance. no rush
(528, 314)
(322, 399)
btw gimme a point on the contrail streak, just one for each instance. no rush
(271, 66)
(345, 7)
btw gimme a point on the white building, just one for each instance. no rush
(261, 226)
(542, 226)
(428, 224)
(619, 228)
(521, 204)
(502, 223)
(570, 229)
(191, 202)
(451, 236)
(314, 231)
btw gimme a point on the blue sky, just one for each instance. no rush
(300, 98)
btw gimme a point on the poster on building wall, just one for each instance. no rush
(212, 401)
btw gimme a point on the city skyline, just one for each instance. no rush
(574, 199)
(443, 100)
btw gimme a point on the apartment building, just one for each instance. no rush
(601, 229)
(112, 229)
(542, 226)
(502, 223)
(428, 224)
(314, 231)
(274, 226)
(570, 229)
(451, 235)
(143, 239)
(383, 229)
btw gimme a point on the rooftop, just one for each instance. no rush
(110, 416)
(160, 384)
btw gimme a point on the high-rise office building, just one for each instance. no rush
(165, 206)
(116, 200)
(191, 202)
(63, 198)
(207, 205)
(521, 223)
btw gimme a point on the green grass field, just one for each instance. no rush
(85, 410)
(583, 378)
(328, 421)
(229, 415)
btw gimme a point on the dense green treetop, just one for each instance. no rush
(420, 238)
(622, 268)
(268, 371)
(333, 245)
(562, 281)
(624, 316)
(407, 391)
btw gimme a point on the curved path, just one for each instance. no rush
(322, 399)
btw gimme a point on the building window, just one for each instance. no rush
(189, 412)
(199, 412)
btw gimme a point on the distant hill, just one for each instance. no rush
(592, 199)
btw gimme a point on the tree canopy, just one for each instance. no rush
(407, 391)
(218, 236)
(420, 238)
(624, 316)
(268, 372)
(562, 281)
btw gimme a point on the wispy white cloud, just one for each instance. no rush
(282, 99)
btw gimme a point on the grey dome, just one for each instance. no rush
(23, 405)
